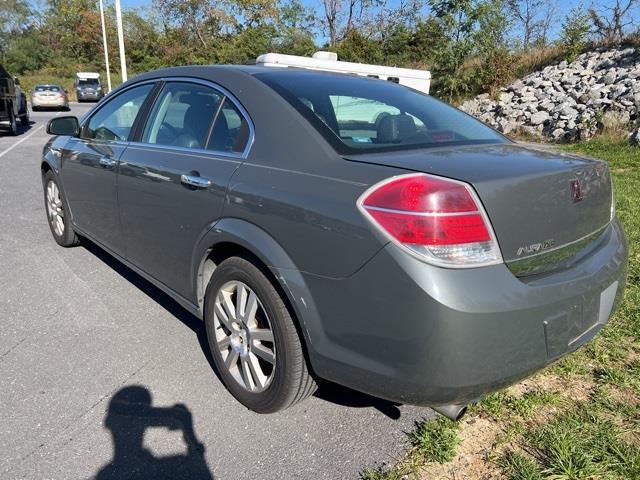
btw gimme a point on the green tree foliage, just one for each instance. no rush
(471, 29)
(575, 29)
(470, 46)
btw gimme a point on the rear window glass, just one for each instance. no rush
(358, 114)
(47, 88)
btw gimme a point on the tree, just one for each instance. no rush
(470, 28)
(575, 29)
(535, 18)
(358, 48)
(71, 27)
(15, 17)
(611, 21)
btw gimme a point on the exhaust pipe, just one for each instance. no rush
(452, 412)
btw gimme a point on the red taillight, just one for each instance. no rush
(437, 218)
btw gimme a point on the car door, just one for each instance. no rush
(173, 180)
(90, 162)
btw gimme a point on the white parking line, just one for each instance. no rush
(4, 152)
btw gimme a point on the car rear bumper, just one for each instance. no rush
(42, 103)
(410, 332)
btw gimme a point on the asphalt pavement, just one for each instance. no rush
(104, 376)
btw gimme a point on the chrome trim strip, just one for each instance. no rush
(232, 157)
(422, 214)
(565, 245)
(558, 258)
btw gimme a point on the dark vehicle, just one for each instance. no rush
(344, 228)
(88, 87)
(13, 103)
(49, 96)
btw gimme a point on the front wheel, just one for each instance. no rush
(59, 221)
(253, 340)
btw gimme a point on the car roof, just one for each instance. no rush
(204, 70)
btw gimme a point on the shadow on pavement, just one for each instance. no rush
(328, 391)
(130, 413)
(22, 129)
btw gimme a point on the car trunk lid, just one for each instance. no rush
(545, 206)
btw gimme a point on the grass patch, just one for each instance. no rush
(517, 466)
(436, 440)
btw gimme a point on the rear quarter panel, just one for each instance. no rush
(300, 191)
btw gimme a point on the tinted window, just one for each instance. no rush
(357, 114)
(114, 120)
(47, 88)
(89, 82)
(231, 131)
(182, 115)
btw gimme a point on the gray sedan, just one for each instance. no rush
(49, 96)
(327, 226)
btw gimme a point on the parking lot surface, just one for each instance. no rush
(103, 376)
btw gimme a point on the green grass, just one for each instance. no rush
(600, 437)
(436, 440)
(592, 439)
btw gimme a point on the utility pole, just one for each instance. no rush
(106, 50)
(123, 60)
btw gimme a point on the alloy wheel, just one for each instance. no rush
(54, 208)
(244, 336)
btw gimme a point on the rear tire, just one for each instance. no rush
(24, 119)
(13, 125)
(57, 216)
(257, 351)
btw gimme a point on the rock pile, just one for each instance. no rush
(568, 101)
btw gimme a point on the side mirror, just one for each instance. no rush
(68, 125)
(16, 80)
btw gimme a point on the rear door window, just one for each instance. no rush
(182, 115)
(231, 130)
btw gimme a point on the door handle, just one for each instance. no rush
(195, 181)
(107, 162)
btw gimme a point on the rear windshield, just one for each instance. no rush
(47, 88)
(357, 114)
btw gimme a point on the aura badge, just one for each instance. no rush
(535, 248)
(576, 190)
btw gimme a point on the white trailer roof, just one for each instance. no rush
(84, 75)
(327, 61)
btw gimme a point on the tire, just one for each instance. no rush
(56, 209)
(13, 124)
(280, 383)
(24, 119)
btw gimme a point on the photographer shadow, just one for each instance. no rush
(129, 414)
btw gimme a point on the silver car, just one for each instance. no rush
(49, 96)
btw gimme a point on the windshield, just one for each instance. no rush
(47, 88)
(357, 114)
(89, 82)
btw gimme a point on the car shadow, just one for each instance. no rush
(129, 415)
(327, 391)
(22, 129)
